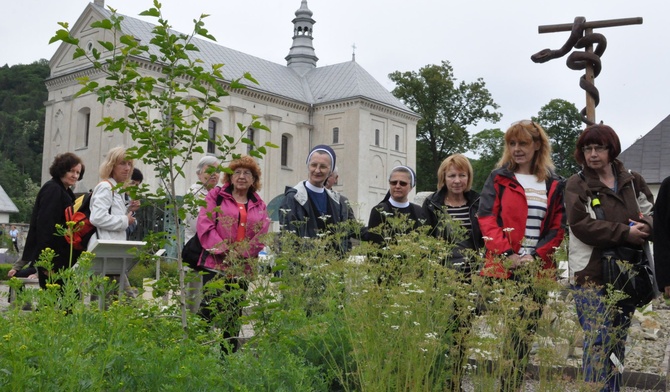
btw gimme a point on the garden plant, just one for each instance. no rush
(376, 318)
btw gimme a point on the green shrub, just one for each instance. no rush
(4, 268)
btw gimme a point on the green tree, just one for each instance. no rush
(22, 96)
(562, 121)
(167, 114)
(489, 145)
(446, 108)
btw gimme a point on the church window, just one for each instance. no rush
(211, 145)
(284, 150)
(83, 127)
(336, 135)
(251, 133)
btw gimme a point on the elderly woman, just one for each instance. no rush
(208, 177)
(455, 200)
(521, 217)
(308, 207)
(626, 202)
(49, 210)
(230, 228)
(401, 181)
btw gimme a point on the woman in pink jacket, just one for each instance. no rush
(230, 228)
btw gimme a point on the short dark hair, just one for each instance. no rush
(600, 134)
(63, 163)
(137, 175)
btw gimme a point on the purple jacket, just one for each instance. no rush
(217, 230)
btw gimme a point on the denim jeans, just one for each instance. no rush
(605, 330)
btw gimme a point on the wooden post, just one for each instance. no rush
(590, 77)
(590, 25)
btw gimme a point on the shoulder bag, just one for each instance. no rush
(192, 253)
(627, 269)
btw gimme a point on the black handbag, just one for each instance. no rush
(193, 254)
(628, 270)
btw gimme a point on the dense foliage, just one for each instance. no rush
(562, 121)
(395, 318)
(447, 108)
(22, 97)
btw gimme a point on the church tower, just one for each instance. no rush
(302, 57)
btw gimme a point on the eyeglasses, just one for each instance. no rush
(396, 182)
(243, 173)
(596, 147)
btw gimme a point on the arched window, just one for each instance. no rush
(83, 127)
(285, 139)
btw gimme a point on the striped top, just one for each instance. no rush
(461, 215)
(536, 197)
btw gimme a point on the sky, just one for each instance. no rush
(488, 39)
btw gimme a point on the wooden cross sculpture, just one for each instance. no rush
(582, 36)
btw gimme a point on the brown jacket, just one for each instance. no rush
(588, 235)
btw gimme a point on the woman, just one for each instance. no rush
(626, 202)
(14, 234)
(401, 181)
(49, 210)
(455, 200)
(109, 213)
(230, 228)
(208, 178)
(308, 207)
(521, 217)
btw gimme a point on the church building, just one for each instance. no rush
(340, 105)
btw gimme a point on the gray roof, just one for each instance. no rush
(649, 154)
(6, 204)
(317, 86)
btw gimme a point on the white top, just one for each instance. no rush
(110, 226)
(191, 220)
(536, 197)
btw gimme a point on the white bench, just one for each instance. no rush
(27, 283)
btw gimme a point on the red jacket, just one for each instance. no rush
(503, 205)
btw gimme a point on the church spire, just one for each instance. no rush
(302, 57)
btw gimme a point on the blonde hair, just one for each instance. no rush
(459, 162)
(114, 156)
(530, 132)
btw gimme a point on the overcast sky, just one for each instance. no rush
(491, 39)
